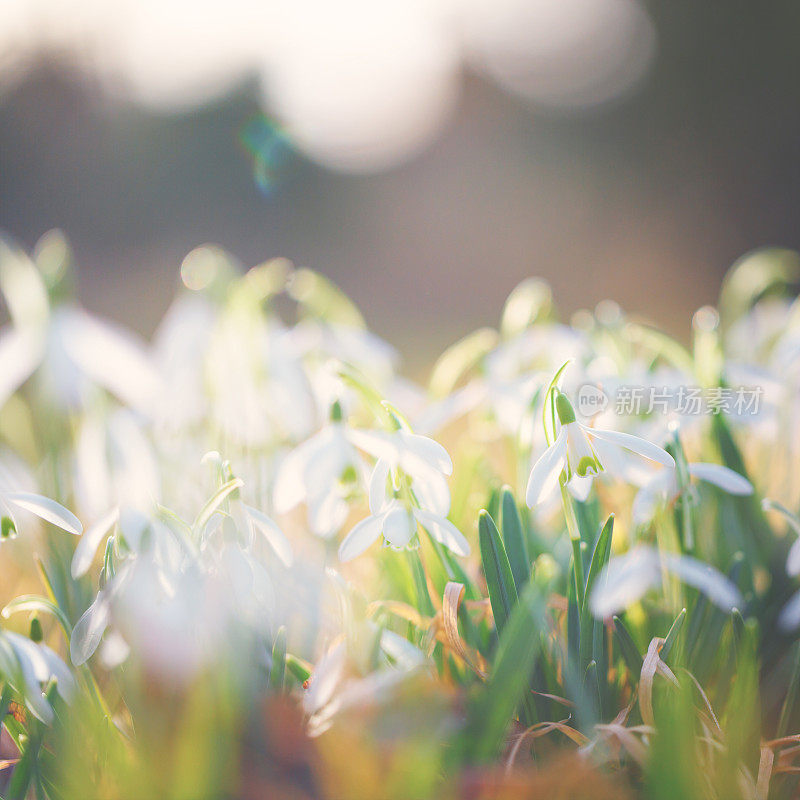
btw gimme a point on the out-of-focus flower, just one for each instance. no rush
(31, 666)
(72, 350)
(583, 452)
(115, 464)
(662, 487)
(171, 593)
(322, 473)
(626, 579)
(332, 690)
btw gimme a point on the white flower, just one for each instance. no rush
(625, 579)
(320, 472)
(396, 520)
(37, 665)
(74, 351)
(663, 487)
(331, 691)
(423, 459)
(582, 452)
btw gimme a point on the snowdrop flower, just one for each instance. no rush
(625, 580)
(424, 460)
(257, 386)
(331, 691)
(582, 452)
(114, 465)
(663, 488)
(72, 349)
(396, 519)
(31, 666)
(321, 472)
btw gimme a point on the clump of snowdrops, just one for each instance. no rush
(248, 558)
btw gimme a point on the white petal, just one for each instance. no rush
(112, 357)
(60, 671)
(90, 541)
(325, 678)
(404, 654)
(443, 531)
(326, 464)
(20, 354)
(398, 527)
(645, 504)
(47, 509)
(34, 673)
(272, 533)
(377, 486)
(327, 513)
(545, 472)
(290, 487)
(719, 589)
(379, 444)
(726, 479)
(89, 630)
(634, 444)
(580, 487)
(114, 650)
(427, 450)
(433, 492)
(624, 580)
(361, 537)
(626, 465)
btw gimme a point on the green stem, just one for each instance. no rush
(575, 541)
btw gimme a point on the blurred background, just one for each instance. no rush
(426, 155)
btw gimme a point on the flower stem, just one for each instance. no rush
(575, 540)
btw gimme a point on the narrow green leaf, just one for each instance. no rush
(23, 771)
(514, 539)
(517, 651)
(499, 578)
(628, 648)
(600, 556)
(300, 669)
(672, 636)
